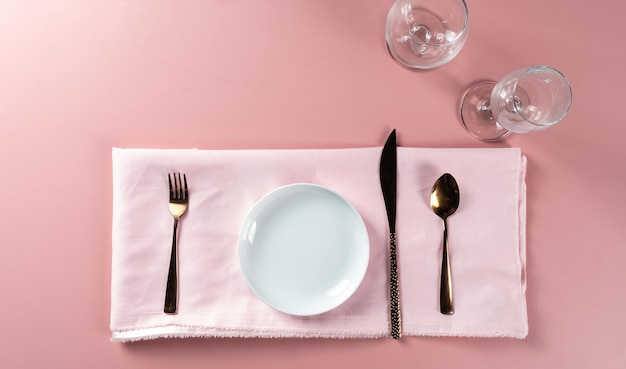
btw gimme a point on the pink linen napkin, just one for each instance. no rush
(486, 236)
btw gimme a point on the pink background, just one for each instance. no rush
(78, 77)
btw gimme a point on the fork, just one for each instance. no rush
(179, 201)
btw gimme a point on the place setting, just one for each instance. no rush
(372, 242)
(311, 248)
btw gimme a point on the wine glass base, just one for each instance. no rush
(403, 63)
(476, 116)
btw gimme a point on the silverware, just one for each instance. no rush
(388, 183)
(444, 199)
(179, 200)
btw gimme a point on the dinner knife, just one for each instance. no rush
(388, 183)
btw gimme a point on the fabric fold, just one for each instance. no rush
(486, 235)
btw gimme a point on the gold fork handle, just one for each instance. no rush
(171, 291)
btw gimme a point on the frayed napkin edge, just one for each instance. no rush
(174, 332)
(187, 332)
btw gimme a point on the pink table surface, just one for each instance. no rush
(79, 77)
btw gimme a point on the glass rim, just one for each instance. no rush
(532, 69)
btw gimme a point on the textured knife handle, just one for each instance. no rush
(396, 320)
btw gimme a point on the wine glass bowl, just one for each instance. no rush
(524, 101)
(425, 34)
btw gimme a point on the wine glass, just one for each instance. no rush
(424, 34)
(526, 100)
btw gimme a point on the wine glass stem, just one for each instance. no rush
(485, 110)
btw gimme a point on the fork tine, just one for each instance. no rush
(178, 186)
(186, 190)
(169, 179)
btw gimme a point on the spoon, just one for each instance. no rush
(444, 199)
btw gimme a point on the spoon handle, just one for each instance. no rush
(445, 292)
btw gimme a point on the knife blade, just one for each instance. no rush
(388, 184)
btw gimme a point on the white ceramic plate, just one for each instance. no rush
(303, 249)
